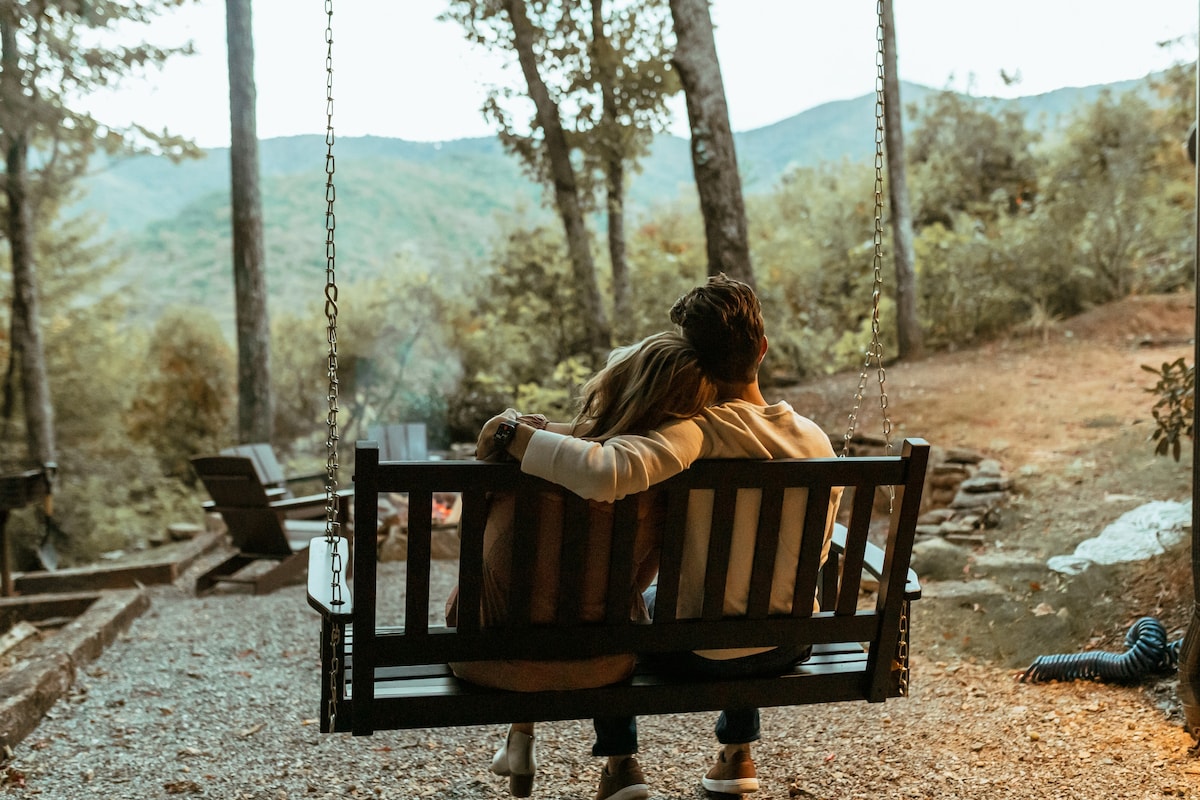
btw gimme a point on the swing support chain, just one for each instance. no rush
(332, 498)
(874, 353)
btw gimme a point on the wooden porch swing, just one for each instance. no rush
(380, 674)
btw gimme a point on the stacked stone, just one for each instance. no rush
(965, 492)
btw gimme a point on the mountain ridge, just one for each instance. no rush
(430, 205)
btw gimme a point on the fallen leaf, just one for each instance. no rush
(252, 730)
(182, 787)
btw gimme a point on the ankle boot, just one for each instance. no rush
(516, 760)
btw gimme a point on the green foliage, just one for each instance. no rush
(632, 57)
(185, 401)
(965, 159)
(557, 394)
(90, 350)
(299, 380)
(112, 494)
(1013, 241)
(1106, 202)
(666, 256)
(524, 320)
(1173, 410)
(812, 244)
(457, 299)
(64, 51)
(519, 334)
(395, 365)
(961, 300)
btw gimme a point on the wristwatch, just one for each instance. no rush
(504, 434)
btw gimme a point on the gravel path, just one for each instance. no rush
(215, 697)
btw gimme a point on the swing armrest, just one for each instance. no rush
(873, 563)
(324, 585)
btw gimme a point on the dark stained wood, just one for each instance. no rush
(262, 525)
(399, 677)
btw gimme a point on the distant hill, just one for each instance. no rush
(427, 205)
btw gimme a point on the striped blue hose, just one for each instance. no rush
(1148, 652)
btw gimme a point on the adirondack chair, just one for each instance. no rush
(264, 525)
(270, 471)
(402, 441)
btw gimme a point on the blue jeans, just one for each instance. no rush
(617, 736)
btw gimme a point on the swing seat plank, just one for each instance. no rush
(382, 674)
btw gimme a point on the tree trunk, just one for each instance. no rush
(566, 190)
(910, 337)
(1189, 651)
(27, 345)
(614, 167)
(255, 407)
(714, 159)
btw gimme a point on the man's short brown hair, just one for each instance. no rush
(723, 320)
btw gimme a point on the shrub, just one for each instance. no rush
(1173, 410)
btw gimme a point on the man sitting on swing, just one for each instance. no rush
(722, 320)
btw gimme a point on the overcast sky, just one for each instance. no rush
(398, 72)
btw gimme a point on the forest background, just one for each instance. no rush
(457, 297)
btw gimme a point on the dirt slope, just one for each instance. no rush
(1067, 413)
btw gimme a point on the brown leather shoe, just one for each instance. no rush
(627, 783)
(735, 775)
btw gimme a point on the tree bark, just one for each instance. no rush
(911, 340)
(566, 189)
(714, 159)
(27, 343)
(614, 167)
(1189, 651)
(255, 406)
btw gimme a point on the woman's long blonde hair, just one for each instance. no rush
(644, 385)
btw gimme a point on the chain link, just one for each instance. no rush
(332, 498)
(335, 669)
(901, 663)
(874, 354)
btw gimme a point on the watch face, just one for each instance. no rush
(505, 433)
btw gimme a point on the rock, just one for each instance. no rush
(985, 483)
(994, 563)
(979, 590)
(936, 559)
(962, 455)
(183, 531)
(936, 516)
(978, 499)
(990, 467)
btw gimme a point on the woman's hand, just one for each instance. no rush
(485, 445)
(538, 421)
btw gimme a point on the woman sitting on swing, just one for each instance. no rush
(643, 386)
